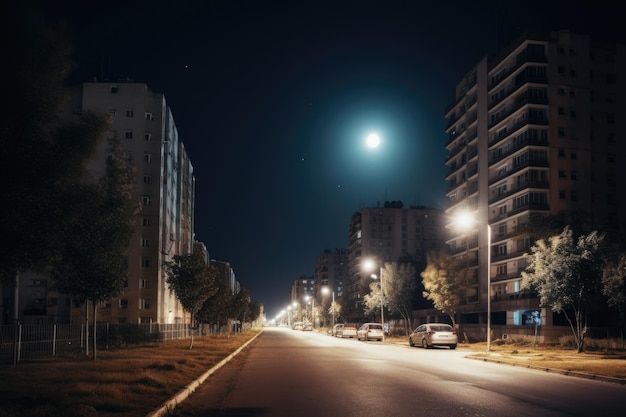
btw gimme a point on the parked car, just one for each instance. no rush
(370, 331)
(348, 331)
(434, 334)
(336, 330)
(297, 326)
(306, 326)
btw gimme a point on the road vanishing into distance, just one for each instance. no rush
(307, 374)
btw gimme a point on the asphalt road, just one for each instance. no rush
(306, 374)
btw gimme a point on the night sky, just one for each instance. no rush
(273, 100)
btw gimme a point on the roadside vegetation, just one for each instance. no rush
(121, 383)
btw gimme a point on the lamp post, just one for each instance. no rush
(369, 265)
(463, 220)
(325, 290)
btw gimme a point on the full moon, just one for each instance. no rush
(373, 140)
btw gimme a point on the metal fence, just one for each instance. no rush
(29, 341)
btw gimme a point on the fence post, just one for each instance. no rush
(54, 340)
(18, 344)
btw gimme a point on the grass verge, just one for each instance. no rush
(121, 383)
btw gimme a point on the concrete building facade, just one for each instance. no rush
(387, 234)
(165, 185)
(535, 130)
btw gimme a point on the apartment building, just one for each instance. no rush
(165, 185)
(387, 234)
(537, 129)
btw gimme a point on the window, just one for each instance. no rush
(123, 302)
(561, 111)
(562, 195)
(145, 262)
(145, 200)
(147, 179)
(574, 175)
(561, 153)
(562, 174)
(128, 134)
(561, 131)
(145, 221)
(114, 89)
(130, 113)
(144, 303)
(501, 249)
(149, 116)
(148, 137)
(501, 270)
(147, 157)
(145, 243)
(143, 283)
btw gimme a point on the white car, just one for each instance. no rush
(434, 334)
(370, 331)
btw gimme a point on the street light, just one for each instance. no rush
(464, 220)
(369, 265)
(325, 290)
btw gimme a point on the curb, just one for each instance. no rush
(621, 381)
(189, 389)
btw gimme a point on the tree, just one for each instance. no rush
(193, 282)
(218, 308)
(566, 272)
(400, 285)
(442, 281)
(91, 266)
(614, 287)
(42, 155)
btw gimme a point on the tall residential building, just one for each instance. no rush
(388, 234)
(165, 187)
(331, 272)
(537, 130)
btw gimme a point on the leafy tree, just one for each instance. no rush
(442, 281)
(567, 273)
(218, 308)
(372, 300)
(42, 155)
(193, 282)
(400, 285)
(614, 287)
(245, 309)
(91, 266)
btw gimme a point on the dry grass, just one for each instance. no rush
(121, 383)
(601, 362)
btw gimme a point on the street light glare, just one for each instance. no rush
(464, 220)
(372, 140)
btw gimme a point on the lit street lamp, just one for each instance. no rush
(463, 221)
(369, 265)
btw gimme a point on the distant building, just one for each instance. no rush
(302, 292)
(537, 130)
(331, 276)
(388, 234)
